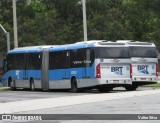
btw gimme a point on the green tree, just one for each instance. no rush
(61, 21)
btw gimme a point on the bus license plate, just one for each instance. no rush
(115, 81)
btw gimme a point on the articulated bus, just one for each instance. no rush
(144, 63)
(95, 64)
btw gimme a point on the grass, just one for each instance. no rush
(4, 89)
(3, 101)
(153, 85)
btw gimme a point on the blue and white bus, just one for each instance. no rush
(144, 63)
(95, 64)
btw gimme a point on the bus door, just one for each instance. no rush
(87, 63)
(20, 73)
(66, 72)
(26, 71)
(32, 66)
(44, 71)
(25, 67)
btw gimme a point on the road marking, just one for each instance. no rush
(28, 105)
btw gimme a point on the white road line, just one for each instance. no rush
(28, 105)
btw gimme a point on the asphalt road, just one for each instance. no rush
(144, 104)
(21, 94)
(149, 104)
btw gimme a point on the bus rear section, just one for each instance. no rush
(144, 65)
(112, 66)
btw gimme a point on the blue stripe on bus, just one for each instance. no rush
(20, 74)
(79, 73)
(57, 74)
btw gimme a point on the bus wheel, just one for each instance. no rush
(12, 85)
(32, 85)
(131, 88)
(74, 85)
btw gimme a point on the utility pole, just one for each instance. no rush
(28, 2)
(8, 37)
(15, 24)
(84, 20)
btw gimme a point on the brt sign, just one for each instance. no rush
(117, 70)
(143, 69)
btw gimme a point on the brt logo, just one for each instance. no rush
(143, 69)
(117, 70)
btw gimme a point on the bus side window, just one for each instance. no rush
(39, 62)
(34, 61)
(56, 60)
(9, 62)
(123, 53)
(4, 65)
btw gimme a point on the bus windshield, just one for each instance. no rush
(112, 52)
(147, 52)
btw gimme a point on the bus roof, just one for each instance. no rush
(83, 44)
(35, 47)
(77, 45)
(30, 49)
(141, 44)
(86, 44)
(136, 43)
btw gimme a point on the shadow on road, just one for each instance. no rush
(68, 90)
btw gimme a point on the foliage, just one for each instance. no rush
(61, 21)
(157, 85)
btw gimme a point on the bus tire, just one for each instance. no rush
(74, 85)
(131, 88)
(12, 85)
(32, 85)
